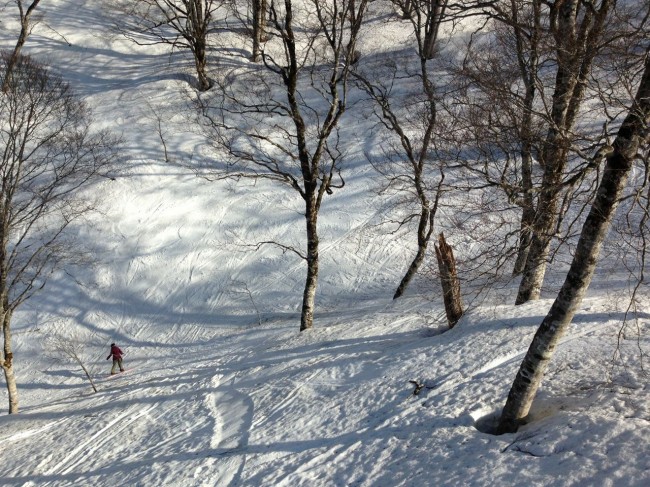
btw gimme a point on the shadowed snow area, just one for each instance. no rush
(221, 389)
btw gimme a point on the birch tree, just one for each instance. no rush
(48, 153)
(285, 127)
(181, 24)
(410, 164)
(505, 92)
(632, 135)
(259, 27)
(427, 16)
(576, 30)
(26, 12)
(530, 73)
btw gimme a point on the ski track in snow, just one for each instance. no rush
(213, 400)
(104, 436)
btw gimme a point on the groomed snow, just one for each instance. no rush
(222, 390)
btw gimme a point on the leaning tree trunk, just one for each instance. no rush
(425, 228)
(630, 136)
(449, 281)
(89, 376)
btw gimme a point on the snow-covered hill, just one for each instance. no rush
(222, 390)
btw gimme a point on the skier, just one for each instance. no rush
(116, 353)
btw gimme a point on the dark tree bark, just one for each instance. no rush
(632, 134)
(427, 16)
(434, 15)
(449, 281)
(406, 8)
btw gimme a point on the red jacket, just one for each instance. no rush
(115, 352)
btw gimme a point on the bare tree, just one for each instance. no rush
(411, 165)
(253, 17)
(76, 346)
(577, 30)
(511, 121)
(26, 25)
(632, 135)
(286, 127)
(427, 16)
(183, 24)
(530, 73)
(49, 153)
(260, 8)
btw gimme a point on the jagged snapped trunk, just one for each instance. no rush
(449, 281)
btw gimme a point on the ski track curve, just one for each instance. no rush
(231, 411)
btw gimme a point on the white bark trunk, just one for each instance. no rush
(309, 295)
(629, 138)
(7, 363)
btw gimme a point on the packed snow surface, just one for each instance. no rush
(221, 389)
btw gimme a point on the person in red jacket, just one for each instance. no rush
(117, 354)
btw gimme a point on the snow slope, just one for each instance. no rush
(221, 388)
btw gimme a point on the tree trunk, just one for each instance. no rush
(529, 68)
(525, 235)
(407, 9)
(6, 361)
(88, 376)
(449, 281)
(435, 12)
(577, 37)
(259, 28)
(309, 295)
(619, 163)
(200, 60)
(530, 287)
(425, 228)
(527, 203)
(22, 38)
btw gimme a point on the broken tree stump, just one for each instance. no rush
(449, 281)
